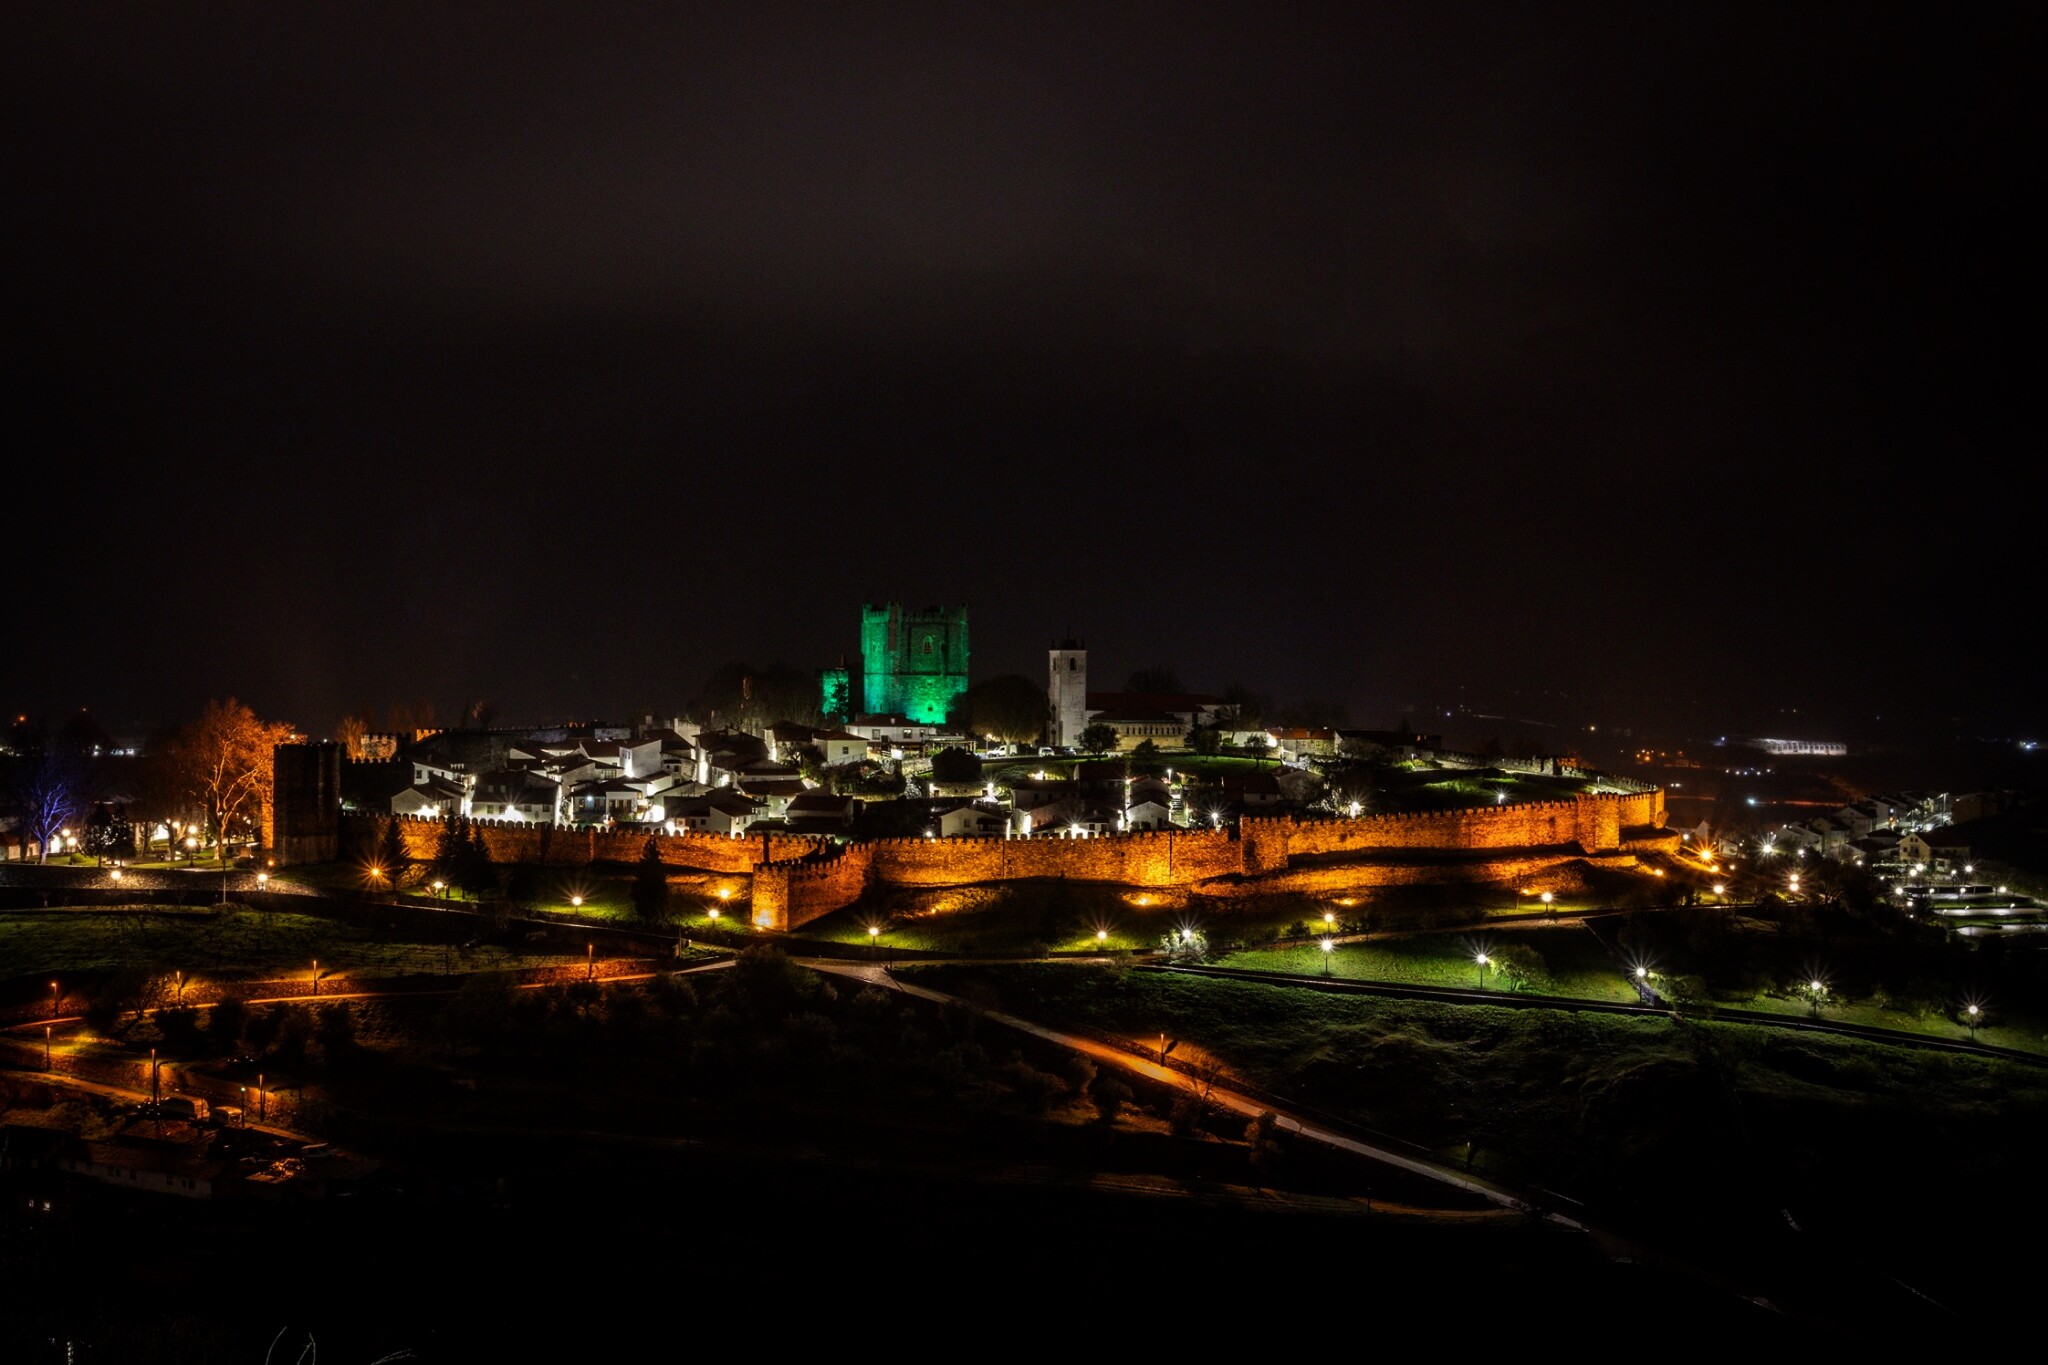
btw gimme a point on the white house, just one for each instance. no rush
(838, 746)
(819, 811)
(722, 812)
(434, 799)
(973, 819)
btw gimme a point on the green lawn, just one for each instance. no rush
(233, 943)
(1573, 961)
(1596, 1105)
(1012, 919)
(2024, 1034)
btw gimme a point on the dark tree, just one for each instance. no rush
(1098, 738)
(108, 833)
(47, 785)
(477, 875)
(1258, 746)
(1156, 679)
(1244, 707)
(224, 1024)
(451, 849)
(391, 851)
(955, 765)
(1010, 708)
(650, 884)
(1205, 739)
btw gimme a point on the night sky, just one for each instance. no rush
(1654, 363)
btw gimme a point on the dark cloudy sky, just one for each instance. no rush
(1657, 355)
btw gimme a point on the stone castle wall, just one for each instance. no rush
(797, 878)
(517, 841)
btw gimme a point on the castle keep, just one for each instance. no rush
(913, 663)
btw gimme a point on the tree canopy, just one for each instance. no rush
(1010, 708)
(223, 764)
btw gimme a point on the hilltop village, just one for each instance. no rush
(918, 757)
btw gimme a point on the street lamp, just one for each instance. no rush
(1329, 946)
(1815, 988)
(576, 901)
(1720, 889)
(262, 880)
(1102, 935)
(316, 976)
(1972, 1011)
(46, 1047)
(1481, 960)
(55, 996)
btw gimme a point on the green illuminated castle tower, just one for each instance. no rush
(913, 663)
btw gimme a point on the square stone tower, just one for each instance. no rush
(913, 663)
(1066, 689)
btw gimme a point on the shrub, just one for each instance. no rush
(1035, 1089)
(1110, 1096)
(224, 1023)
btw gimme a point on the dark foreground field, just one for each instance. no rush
(561, 1251)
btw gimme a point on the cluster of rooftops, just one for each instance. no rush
(682, 777)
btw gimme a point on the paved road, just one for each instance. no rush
(1229, 1099)
(1611, 1241)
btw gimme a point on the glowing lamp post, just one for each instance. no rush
(262, 880)
(1970, 1017)
(576, 901)
(1102, 935)
(316, 976)
(1480, 959)
(55, 996)
(1815, 989)
(46, 1047)
(1720, 889)
(1328, 946)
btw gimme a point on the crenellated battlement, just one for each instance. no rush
(797, 878)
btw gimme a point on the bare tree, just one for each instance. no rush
(350, 733)
(47, 787)
(224, 762)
